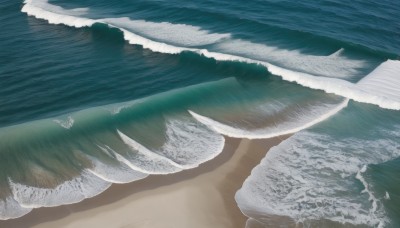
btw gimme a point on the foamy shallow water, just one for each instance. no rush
(320, 174)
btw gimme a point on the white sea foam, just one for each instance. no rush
(385, 94)
(115, 173)
(44, 4)
(302, 121)
(152, 45)
(176, 34)
(147, 160)
(188, 144)
(117, 108)
(10, 209)
(123, 160)
(67, 124)
(335, 65)
(383, 84)
(372, 198)
(387, 196)
(312, 176)
(71, 191)
(42, 9)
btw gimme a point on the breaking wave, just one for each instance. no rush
(301, 121)
(384, 94)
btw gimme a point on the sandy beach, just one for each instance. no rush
(200, 197)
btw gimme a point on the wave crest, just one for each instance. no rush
(386, 75)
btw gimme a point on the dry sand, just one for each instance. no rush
(200, 197)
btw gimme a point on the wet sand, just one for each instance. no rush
(200, 197)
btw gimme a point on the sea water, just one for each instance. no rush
(101, 92)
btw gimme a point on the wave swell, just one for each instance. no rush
(385, 94)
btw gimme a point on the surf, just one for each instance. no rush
(126, 142)
(359, 92)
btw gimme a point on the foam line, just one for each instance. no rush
(252, 134)
(119, 173)
(363, 92)
(148, 157)
(177, 34)
(372, 198)
(190, 143)
(10, 209)
(121, 159)
(72, 191)
(54, 14)
(125, 161)
(335, 65)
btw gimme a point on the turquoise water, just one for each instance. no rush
(101, 92)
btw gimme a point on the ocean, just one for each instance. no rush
(100, 92)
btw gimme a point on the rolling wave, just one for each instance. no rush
(297, 123)
(125, 142)
(358, 92)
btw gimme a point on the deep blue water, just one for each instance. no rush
(100, 92)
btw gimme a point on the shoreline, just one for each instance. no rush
(199, 197)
